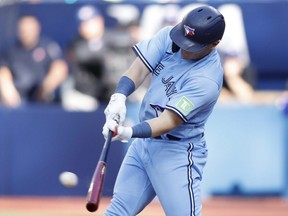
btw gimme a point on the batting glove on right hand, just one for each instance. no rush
(116, 107)
(121, 133)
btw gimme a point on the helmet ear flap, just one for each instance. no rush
(175, 48)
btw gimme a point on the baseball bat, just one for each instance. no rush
(96, 185)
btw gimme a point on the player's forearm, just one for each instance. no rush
(159, 127)
(127, 84)
(137, 73)
(166, 122)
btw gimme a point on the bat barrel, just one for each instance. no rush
(94, 193)
(96, 185)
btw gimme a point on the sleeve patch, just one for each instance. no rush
(185, 106)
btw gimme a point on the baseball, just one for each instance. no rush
(68, 179)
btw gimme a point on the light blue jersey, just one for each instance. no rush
(189, 88)
(169, 166)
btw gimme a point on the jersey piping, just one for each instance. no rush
(144, 60)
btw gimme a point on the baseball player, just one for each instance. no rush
(167, 156)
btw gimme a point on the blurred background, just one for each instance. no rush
(60, 61)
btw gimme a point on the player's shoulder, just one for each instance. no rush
(163, 38)
(161, 42)
(208, 71)
(165, 31)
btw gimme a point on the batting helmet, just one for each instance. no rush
(199, 28)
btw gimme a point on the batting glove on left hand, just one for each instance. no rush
(121, 133)
(116, 107)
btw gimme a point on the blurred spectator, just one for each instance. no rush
(237, 85)
(239, 76)
(120, 38)
(86, 55)
(156, 16)
(32, 70)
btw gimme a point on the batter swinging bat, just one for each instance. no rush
(96, 185)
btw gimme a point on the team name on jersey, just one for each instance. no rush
(158, 69)
(169, 85)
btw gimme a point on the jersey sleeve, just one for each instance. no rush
(151, 51)
(194, 96)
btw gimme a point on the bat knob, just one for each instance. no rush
(91, 207)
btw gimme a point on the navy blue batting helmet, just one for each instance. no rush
(199, 28)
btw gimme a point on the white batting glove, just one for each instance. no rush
(121, 133)
(116, 107)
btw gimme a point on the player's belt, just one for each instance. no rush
(169, 136)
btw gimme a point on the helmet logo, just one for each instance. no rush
(189, 31)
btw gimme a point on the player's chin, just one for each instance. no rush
(188, 55)
(194, 55)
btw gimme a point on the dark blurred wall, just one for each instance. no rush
(247, 149)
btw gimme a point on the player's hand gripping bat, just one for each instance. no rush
(96, 185)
